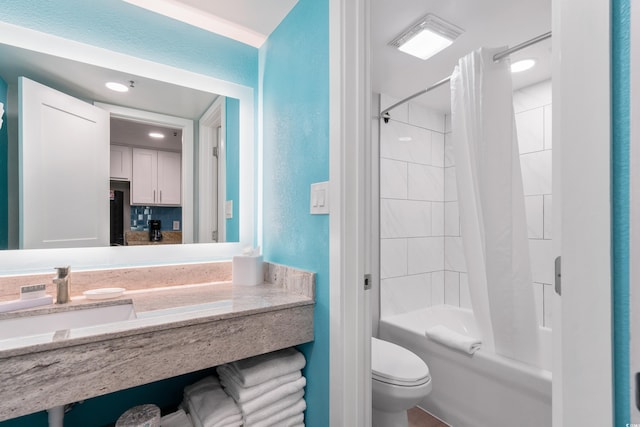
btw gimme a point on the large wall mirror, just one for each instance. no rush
(192, 183)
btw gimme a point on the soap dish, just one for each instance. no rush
(104, 293)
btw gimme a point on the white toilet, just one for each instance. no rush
(400, 381)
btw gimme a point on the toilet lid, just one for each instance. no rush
(393, 364)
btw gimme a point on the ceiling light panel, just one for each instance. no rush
(522, 65)
(427, 37)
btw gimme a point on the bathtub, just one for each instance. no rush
(483, 390)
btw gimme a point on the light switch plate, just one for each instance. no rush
(319, 202)
(228, 209)
(176, 225)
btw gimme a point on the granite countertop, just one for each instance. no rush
(185, 322)
(157, 309)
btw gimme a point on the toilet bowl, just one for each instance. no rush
(400, 380)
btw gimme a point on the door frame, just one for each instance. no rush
(186, 125)
(582, 131)
(350, 132)
(214, 117)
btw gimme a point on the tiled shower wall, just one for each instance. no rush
(422, 260)
(411, 209)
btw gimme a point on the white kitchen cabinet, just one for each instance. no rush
(120, 163)
(156, 178)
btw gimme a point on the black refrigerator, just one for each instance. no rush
(116, 217)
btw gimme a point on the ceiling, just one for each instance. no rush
(487, 23)
(88, 82)
(247, 21)
(127, 132)
(491, 23)
(261, 16)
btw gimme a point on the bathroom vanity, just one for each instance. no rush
(187, 318)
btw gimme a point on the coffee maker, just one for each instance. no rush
(155, 235)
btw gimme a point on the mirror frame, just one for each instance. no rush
(44, 260)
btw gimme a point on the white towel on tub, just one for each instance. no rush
(453, 339)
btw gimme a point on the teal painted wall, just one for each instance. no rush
(620, 153)
(4, 195)
(232, 112)
(121, 27)
(294, 79)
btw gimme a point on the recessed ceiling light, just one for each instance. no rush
(427, 37)
(156, 135)
(118, 87)
(522, 65)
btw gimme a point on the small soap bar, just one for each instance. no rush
(247, 270)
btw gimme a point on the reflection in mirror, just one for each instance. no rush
(186, 187)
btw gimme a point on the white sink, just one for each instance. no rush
(77, 317)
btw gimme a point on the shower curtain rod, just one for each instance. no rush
(497, 57)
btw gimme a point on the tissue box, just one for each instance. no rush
(247, 270)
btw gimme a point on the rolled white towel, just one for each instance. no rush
(243, 394)
(176, 419)
(272, 396)
(277, 419)
(453, 339)
(270, 410)
(259, 369)
(210, 406)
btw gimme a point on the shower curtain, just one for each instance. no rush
(491, 205)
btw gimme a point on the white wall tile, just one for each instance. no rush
(404, 218)
(542, 260)
(425, 254)
(449, 157)
(450, 188)
(530, 127)
(535, 220)
(437, 288)
(452, 288)
(400, 113)
(447, 123)
(538, 297)
(425, 117)
(533, 96)
(393, 258)
(400, 141)
(437, 219)
(426, 182)
(548, 306)
(404, 294)
(437, 149)
(536, 173)
(393, 179)
(465, 295)
(548, 140)
(454, 254)
(548, 216)
(451, 219)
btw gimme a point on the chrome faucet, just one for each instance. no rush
(62, 284)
